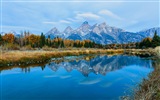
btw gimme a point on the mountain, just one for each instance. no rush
(150, 32)
(2, 33)
(102, 33)
(68, 31)
(13, 32)
(84, 29)
(54, 32)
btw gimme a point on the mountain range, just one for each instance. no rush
(101, 33)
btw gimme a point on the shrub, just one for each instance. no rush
(10, 46)
(46, 48)
(27, 47)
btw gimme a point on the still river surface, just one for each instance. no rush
(94, 77)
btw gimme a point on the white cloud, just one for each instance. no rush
(80, 17)
(64, 21)
(49, 22)
(87, 15)
(110, 14)
(58, 22)
(71, 19)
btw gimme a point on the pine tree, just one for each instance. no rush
(62, 44)
(1, 40)
(147, 42)
(155, 40)
(42, 40)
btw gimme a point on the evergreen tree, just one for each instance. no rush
(147, 42)
(74, 44)
(62, 44)
(42, 40)
(1, 40)
(155, 40)
(47, 42)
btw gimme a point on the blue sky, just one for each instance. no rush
(40, 16)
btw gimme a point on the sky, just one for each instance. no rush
(39, 16)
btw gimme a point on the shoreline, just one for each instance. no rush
(18, 58)
(26, 58)
(149, 89)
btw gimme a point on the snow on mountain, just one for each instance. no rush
(54, 32)
(150, 32)
(102, 33)
(83, 29)
(2, 33)
(12, 32)
(68, 31)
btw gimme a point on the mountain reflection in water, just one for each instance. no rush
(99, 64)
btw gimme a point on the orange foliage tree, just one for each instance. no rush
(8, 38)
(34, 40)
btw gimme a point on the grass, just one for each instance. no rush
(149, 89)
(14, 58)
(141, 52)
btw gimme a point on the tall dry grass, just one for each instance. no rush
(157, 50)
(11, 58)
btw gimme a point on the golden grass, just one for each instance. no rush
(141, 52)
(11, 58)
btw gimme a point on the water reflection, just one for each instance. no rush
(94, 77)
(98, 64)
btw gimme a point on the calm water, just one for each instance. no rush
(75, 78)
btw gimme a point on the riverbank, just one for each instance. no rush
(149, 89)
(141, 52)
(25, 58)
(18, 58)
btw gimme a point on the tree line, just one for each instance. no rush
(39, 41)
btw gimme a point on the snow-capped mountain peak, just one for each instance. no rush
(84, 28)
(68, 30)
(103, 25)
(85, 23)
(53, 31)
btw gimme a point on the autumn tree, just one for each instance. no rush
(8, 38)
(34, 40)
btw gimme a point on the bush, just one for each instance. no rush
(10, 46)
(46, 48)
(27, 47)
